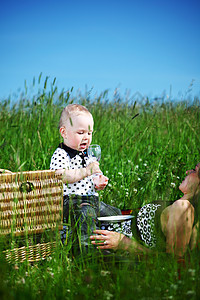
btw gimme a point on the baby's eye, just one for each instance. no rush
(89, 133)
(80, 132)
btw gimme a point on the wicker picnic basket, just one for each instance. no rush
(30, 205)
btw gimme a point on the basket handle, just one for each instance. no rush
(26, 187)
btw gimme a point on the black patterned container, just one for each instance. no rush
(120, 223)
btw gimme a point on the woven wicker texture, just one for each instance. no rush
(30, 202)
(31, 253)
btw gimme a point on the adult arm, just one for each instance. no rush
(105, 239)
(195, 238)
(177, 225)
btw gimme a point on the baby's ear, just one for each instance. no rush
(63, 132)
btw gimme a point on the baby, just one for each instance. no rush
(81, 202)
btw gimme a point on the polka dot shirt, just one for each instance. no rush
(67, 158)
(146, 223)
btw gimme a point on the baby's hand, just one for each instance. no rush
(100, 182)
(93, 168)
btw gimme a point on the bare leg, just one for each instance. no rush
(177, 222)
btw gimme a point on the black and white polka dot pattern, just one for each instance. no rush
(122, 227)
(146, 223)
(62, 160)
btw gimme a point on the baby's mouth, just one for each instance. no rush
(83, 145)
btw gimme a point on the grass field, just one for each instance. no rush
(145, 159)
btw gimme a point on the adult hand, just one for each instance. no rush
(100, 182)
(114, 240)
(107, 239)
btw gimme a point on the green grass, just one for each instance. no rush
(145, 159)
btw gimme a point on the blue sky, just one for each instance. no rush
(142, 46)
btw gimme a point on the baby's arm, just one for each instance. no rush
(100, 182)
(74, 175)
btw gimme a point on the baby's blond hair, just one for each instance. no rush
(71, 110)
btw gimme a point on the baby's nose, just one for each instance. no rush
(85, 136)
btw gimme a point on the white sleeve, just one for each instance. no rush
(60, 160)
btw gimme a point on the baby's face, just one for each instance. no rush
(78, 131)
